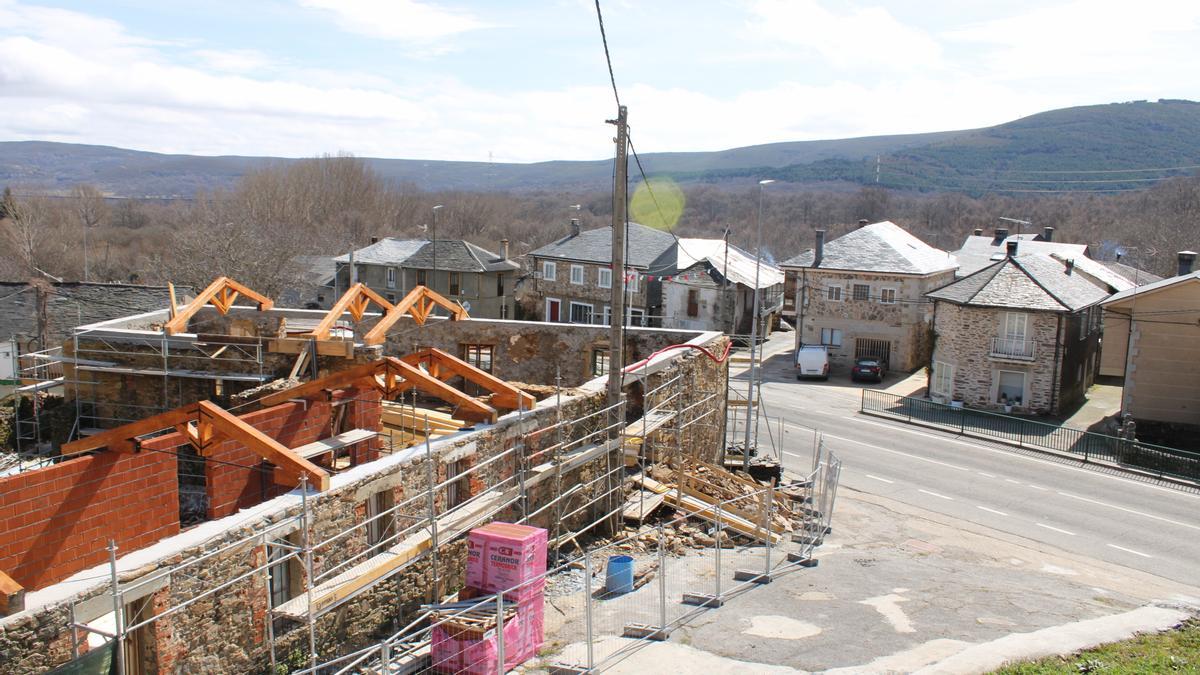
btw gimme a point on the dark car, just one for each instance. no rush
(869, 369)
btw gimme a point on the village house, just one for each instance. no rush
(573, 277)
(1150, 340)
(979, 250)
(1019, 335)
(862, 294)
(708, 284)
(481, 280)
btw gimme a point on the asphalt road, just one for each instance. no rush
(1139, 524)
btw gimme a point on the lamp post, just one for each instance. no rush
(750, 401)
(433, 275)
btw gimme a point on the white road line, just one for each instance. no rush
(1129, 550)
(1008, 453)
(1126, 510)
(883, 480)
(1037, 487)
(988, 475)
(1009, 480)
(999, 513)
(936, 495)
(896, 452)
(1056, 529)
(792, 454)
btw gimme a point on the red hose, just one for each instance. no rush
(702, 350)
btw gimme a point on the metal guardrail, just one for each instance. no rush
(1088, 445)
(1013, 348)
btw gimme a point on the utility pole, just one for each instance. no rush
(878, 160)
(432, 285)
(616, 338)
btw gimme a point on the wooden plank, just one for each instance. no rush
(466, 407)
(343, 348)
(266, 447)
(122, 435)
(640, 504)
(342, 440)
(702, 508)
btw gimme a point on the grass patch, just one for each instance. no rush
(1173, 651)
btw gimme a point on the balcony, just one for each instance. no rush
(1012, 348)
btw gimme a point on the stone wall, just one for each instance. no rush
(479, 289)
(536, 289)
(226, 631)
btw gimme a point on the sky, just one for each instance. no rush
(524, 81)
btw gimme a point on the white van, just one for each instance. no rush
(812, 361)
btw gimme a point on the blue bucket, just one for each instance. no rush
(619, 575)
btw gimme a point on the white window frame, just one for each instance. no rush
(854, 292)
(607, 315)
(571, 311)
(549, 270)
(942, 382)
(632, 286)
(832, 333)
(1009, 323)
(834, 293)
(604, 277)
(883, 294)
(641, 315)
(391, 277)
(1024, 386)
(557, 302)
(577, 275)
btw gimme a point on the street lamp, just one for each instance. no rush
(750, 401)
(433, 276)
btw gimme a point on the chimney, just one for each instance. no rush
(862, 222)
(1000, 236)
(819, 249)
(1048, 233)
(374, 240)
(978, 232)
(574, 227)
(1070, 263)
(504, 249)
(1012, 249)
(1186, 260)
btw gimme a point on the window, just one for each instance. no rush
(862, 292)
(943, 379)
(479, 356)
(455, 283)
(391, 297)
(381, 521)
(637, 317)
(887, 296)
(607, 316)
(421, 278)
(284, 575)
(604, 278)
(499, 284)
(833, 293)
(1015, 325)
(599, 362)
(631, 280)
(581, 313)
(693, 302)
(549, 270)
(391, 277)
(459, 490)
(577, 274)
(831, 337)
(1010, 387)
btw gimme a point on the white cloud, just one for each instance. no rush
(235, 60)
(402, 20)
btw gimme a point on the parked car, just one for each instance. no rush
(812, 361)
(869, 369)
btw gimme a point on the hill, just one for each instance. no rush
(1050, 150)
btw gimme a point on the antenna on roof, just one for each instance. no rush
(1019, 223)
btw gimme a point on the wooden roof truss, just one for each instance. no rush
(221, 294)
(444, 366)
(355, 300)
(420, 304)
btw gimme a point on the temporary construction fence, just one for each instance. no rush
(1087, 445)
(603, 626)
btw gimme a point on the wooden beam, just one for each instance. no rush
(504, 395)
(120, 438)
(419, 303)
(230, 426)
(356, 299)
(355, 375)
(466, 407)
(221, 293)
(174, 305)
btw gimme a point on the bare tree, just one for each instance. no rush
(91, 209)
(25, 229)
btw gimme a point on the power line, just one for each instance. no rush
(607, 58)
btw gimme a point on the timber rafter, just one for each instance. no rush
(221, 294)
(444, 366)
(419, 304)
(355, 300)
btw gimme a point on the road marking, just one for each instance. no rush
(936, 495)
(1009, 480)
(896, 452)
(981, 473)
(792, 454)
(1129, 550)
(1008, 453)
(1036, 487)
(999, 513)
(1056, 529)
(880, 479)
(1127, 510)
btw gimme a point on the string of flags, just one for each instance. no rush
(633, 275)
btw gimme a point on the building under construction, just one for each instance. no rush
(241, 483)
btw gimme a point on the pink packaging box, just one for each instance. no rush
(502, 555)
(449, 654)
(533, 634)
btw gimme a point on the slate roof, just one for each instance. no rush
(454, 255)
(644, 244)
(735, 264)
(72, 304)
(1031, 281)
(1152, 287)
(879, 247)
(1134, 275)
(979, 251)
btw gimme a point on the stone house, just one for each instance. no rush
(862, 294)
(979, 250)
(571, 280)
(1023, 332)
(708, 284)
(481, 280)
(1150, 340)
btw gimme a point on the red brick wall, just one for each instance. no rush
(57, 520)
